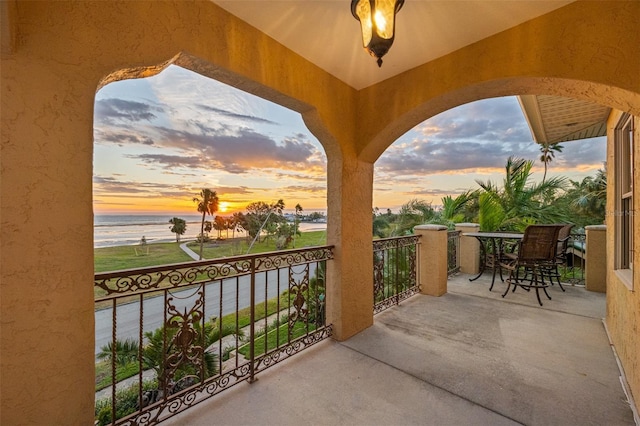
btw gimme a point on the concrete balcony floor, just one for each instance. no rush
(469, 357)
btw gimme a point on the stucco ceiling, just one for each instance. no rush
(325, 33)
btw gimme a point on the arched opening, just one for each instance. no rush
(449, 154)
(158, 141)
(387, 131)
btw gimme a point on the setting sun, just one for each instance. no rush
(223, 207)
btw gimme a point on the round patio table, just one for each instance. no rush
(496, 243)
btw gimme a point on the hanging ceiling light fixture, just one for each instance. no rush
(377, 19)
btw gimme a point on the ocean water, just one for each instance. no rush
(120, 230)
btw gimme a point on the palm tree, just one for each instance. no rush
(295, 231)
(236, 223)
(179, 227)
(220, 224)
(519, 202)
(548, 151)
(126, 351)
(208, 226)
(380, 223)
(587, 199)
(207, 202)
(162, 352)
(415, 212)
(456, 210)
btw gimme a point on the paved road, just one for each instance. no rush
(128, 314)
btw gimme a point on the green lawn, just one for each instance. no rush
(125, 257)
(276, 338)
(238, 247)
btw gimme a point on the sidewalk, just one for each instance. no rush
(190, 252)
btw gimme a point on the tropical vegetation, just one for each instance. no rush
(179, 227)
(547, 154)
(507, 206)
(207, 202)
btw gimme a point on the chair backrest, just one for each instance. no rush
(540, 242)
(563, 239)
(565, 231)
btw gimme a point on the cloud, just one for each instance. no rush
(120, 137)
(490, 120)
(111, 185)
(318, 189)
(236, 153)
(478, 137)
(172, 161)
(586, 153)
(313, 172)
(225, 113)
(432, 157)
(225, 190)
(436, 192)
(112, 110)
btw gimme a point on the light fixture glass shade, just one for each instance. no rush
(377, 21)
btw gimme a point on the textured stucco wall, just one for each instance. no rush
(623, 305)
(64, 51)
(46, 365)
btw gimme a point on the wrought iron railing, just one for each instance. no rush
(395, 271)
(573, 269)
(453, 252)
(184, 332)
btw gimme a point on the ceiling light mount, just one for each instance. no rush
(377, 22)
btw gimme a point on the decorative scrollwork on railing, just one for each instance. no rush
(182, 274)
(394, 270)
(272, 358)
(453, 252)
(378, 276)
(393, 242)
(290, 258)
(297, 290)
(185, 350)
(183, 400)
(413, 268)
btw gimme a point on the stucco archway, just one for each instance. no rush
(598, 93)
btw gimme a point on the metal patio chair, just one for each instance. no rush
(535, 256)
(561, 254)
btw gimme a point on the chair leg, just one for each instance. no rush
(545, 292)
(509, 281)
(538, 284)
(538, 295)
(524, 278)
(557, 275)
(553, 272)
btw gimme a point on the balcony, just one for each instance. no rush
(468, 357)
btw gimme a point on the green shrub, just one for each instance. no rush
(126, 403)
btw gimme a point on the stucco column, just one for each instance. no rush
(46, 302)
(596, 262)
(350, 273)
(432, 259)
(469, 249)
